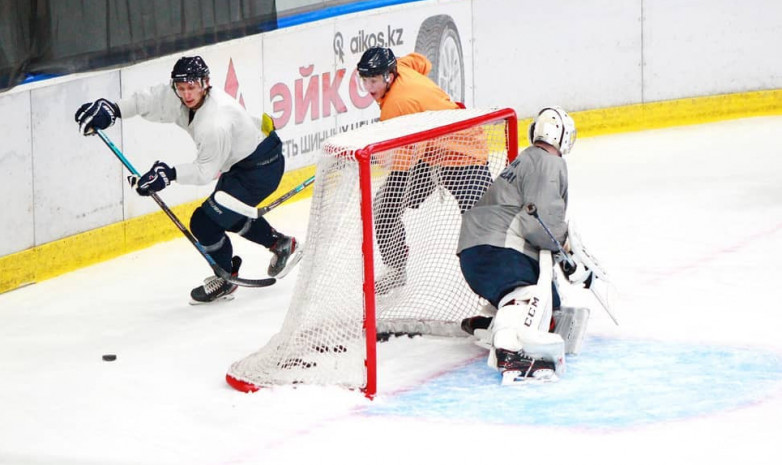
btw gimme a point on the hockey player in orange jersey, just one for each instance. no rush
(401, 87)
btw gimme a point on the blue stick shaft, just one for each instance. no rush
(264, 210)
(117, 152)
(219, 271)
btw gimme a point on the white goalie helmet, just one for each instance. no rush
(555, 127)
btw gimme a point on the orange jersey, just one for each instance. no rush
(413, 92)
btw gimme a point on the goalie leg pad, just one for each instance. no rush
(571, 326)
(536, 301)
(522, 323)
(516, 309)
(506, 326)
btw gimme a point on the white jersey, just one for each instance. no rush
(223, 131)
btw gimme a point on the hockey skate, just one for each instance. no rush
(524, 349)
(287, 253)
(216, 288)
(469, 325)
(520, 368)
(392, 279)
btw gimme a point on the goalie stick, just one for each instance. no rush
(218, 270)
(580, 252)
(228, 201)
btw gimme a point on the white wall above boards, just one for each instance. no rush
(17, 229)
(578, 55)
(77, 181)
(709, 47)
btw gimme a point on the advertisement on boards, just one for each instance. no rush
(309, 77)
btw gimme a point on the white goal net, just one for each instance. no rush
(380, 253)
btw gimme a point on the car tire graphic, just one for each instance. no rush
(438, 40)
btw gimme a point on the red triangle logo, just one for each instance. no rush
(232, 83)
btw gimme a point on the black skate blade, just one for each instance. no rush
(224, 298)
(519, 378)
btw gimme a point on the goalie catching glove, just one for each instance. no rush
(154, 180)
(99, 114)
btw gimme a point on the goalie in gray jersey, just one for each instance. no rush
(499, 246)
(230, 145)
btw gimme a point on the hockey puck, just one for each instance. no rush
(109, 357)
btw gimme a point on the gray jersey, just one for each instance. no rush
(223, 131)
(499, 219)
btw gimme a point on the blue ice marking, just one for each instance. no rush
(612, 384)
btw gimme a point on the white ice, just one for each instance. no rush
(688, 221)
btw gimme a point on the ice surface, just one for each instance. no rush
(688, 221)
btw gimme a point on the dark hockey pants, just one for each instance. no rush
(492, 272)
(409, 189)
(251, 181)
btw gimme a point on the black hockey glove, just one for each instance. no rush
(577, 272)
(154, 180)
(567, 268)
(99, 114)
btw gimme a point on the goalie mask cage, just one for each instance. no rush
(387, 202)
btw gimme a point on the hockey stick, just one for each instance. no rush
(531, 209)
(218, 270)
(227, 200)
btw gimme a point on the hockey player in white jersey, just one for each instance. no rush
(230, 144)
(503, 250)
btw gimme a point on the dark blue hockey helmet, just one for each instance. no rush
(189, 69)
(376, 61)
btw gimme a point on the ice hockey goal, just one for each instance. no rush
(385, 214)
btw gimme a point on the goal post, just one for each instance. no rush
(380, 251)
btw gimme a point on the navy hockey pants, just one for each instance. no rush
(251, 181)
(492, 272)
